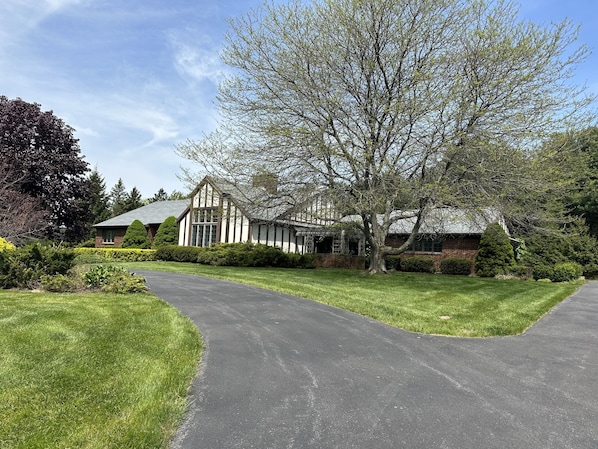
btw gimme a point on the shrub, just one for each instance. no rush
(99, 255)
(125, 283)
(167, 233)
(495, 254)
(456, 266)
(418, 264)
(178, 253)
(236, 254)
(112, 279)
(553, 249)
(393, 263)
(6, 245)
(61, 283)
(543, 272)
(567, 271)
(24, 267)
(136, 236)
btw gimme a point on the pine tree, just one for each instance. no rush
(99, 201)
(118, 198)
(134, 200)
(160, 195)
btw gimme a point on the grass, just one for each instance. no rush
(92, 370)
(431, 304)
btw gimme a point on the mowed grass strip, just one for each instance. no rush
(432, 304)
(92, 370)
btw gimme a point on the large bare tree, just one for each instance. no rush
(22, 217)
(392, 104)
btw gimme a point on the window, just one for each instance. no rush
(108, 236)
(426, 246)
(205, 227)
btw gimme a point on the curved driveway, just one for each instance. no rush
(283, 372)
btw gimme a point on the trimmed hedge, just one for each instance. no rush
(456, 266)
(95, 255)
(417, 264)
(235, 254)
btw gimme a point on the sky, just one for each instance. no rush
(134, 78)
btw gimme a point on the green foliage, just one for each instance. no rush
(393, 263)
(495, 254)
(456, 266)
(574, 246)
(167, 233)
(235, 254)
(123, 283)
(176, 253)
(24, 267)
(417, 264)
(136, 236)
(112, 279)
(61, 283)
(6, 245)
(98, 255)
(561, 272)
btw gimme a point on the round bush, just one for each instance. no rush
(167, 233)
(136, 236)
(495, 254)
(565, 272)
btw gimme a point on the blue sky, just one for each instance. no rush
(136, 77)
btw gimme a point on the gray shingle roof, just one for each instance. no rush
(256, 202)
(153, 213)
(450, 221)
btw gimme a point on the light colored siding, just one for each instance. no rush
(184, 229)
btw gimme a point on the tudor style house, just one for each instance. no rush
(220, 212)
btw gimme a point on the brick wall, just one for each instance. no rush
(463, 247)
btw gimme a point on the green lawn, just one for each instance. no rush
(433, 304)
(92, 370)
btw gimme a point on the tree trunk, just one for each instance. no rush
(377, 260)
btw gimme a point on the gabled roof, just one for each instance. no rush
(255, 202)
(153, 213)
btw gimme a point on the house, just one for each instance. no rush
(445, 233)
(221, 212)
(110, 233)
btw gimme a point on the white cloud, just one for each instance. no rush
(199, 60)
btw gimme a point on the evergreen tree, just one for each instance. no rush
(118, 198)
(98, 201)
(167, 233)
(134, 200)
(495, 254)
(136, 236)
(160, 195)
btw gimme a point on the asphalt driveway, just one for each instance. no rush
(283, 372)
